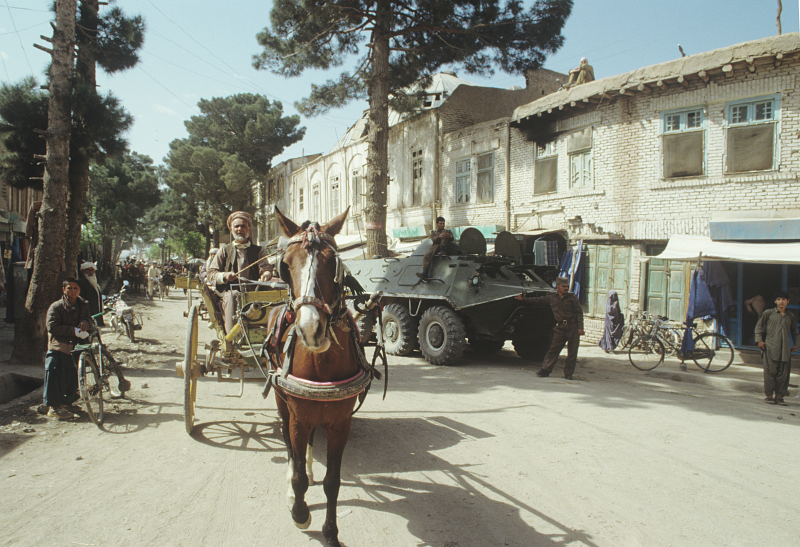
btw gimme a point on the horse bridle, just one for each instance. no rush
(313, 238)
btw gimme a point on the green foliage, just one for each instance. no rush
(23, 109)
(245, 125)
(154, 253)
(122, 191)
(230, 146)
(424, 36)
(117, 41)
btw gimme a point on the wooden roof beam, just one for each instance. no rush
(644, 88)
(728, 70)
(704, 76)
(682, 81)
(751, 64)
(778, 59)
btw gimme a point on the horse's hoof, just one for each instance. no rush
(304, 525)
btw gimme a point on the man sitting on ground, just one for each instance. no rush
(239, 259)
(442, 244)
(68, 322)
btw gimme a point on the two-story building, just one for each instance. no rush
(625, 162)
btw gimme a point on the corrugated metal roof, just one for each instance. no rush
(689, 66)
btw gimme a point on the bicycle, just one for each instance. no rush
(712, 351)
(98, 371)
(641, 323)
(646, 352)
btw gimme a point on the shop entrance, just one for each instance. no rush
(755, 286)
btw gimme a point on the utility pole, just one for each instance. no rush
(780, 10)
(31, 336)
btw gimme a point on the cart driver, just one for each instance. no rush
(239, 259)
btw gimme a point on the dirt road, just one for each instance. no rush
(477, 455)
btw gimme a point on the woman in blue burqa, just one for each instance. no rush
(614, 322)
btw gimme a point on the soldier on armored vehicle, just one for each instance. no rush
(443, 244)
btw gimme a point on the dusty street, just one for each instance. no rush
(477, 455)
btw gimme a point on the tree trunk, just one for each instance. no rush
(378, 136)
(86, 71)
(49, 257)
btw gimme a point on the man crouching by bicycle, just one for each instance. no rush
(68, 322)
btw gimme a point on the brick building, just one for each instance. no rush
(626, 161)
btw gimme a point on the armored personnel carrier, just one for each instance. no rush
(469, 298)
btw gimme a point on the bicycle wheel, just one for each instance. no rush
(646, 353)
(90, 387)
(712, 352)
(671, 339)
(117, 384)
(627, 336)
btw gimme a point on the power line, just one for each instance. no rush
(167, 89)
(24, 51)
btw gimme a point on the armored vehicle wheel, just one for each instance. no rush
(486, 347)
(399, 330)
(366, 326)
(533, 348)
(442, 337)
(190, 370)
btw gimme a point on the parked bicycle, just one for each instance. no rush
(641, 323)
(712, 351)
(98, 372)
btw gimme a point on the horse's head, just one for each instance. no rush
(310, 264)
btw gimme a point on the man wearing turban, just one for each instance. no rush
(90, 289)
(239, 256)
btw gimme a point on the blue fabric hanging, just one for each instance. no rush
(719, 288)
(566, 269)
(701, 304)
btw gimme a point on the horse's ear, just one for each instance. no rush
(335, 226)
(289, 228)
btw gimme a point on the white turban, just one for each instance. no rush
(87, 265)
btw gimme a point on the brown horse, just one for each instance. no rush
(326, 375)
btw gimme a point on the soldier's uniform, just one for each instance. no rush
(568, 313)
(440, 246)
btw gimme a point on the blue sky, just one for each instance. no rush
(203, 49)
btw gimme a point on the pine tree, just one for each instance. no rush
(398, 43)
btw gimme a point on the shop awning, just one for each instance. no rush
(683, 247)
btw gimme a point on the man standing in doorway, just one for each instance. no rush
(777, 337)
(568, 313)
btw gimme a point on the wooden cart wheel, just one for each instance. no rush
(191, 370)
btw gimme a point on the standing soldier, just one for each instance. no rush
(568, 313)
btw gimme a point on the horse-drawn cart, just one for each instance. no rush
(232, 356)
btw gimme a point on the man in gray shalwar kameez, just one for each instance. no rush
(777, 337)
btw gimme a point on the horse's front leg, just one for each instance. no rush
(338, 434)
(299, 480)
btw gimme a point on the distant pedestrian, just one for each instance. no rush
(777, 337)
(613, 324)
(568, 313)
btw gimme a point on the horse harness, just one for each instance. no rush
(279, 374)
